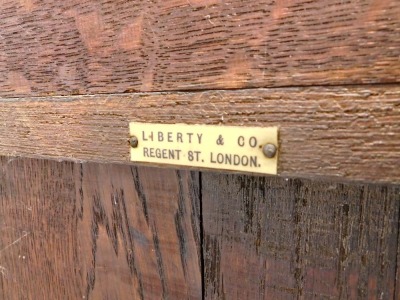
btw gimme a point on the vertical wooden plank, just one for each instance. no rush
(91, 231)
(39, 252)
(139, 230)
(397, 289)
(276, 238)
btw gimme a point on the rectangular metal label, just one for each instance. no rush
(249, 149)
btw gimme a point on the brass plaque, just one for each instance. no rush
(248, 149)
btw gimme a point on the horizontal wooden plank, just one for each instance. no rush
(87, 46)
(351, 132)
(271, 238)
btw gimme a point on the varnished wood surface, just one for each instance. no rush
(91, 231)
(271, 238)
(109, 231)
(79, 47)
(348, 132)
(106, 231)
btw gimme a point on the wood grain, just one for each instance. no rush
(86, 46)
(348, 132)
(397, 290)
(271, 238)
(92, 231)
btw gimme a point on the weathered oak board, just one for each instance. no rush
(271, 238)
(351, 132)
(80, 229)
(92, 231)
(103, 231)
(85, 46)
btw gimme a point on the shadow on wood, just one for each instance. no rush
(274, 238)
